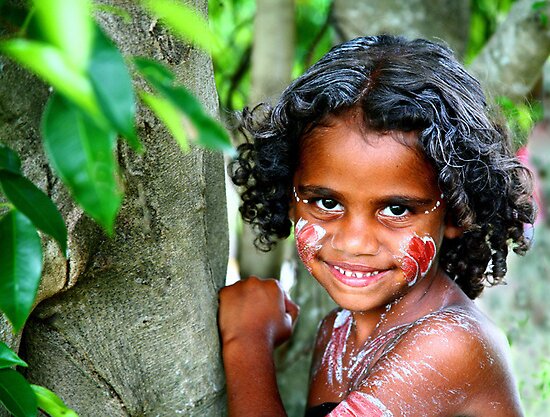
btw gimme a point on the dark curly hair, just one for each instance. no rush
(401, 85)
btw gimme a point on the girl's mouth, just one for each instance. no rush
(356, 276)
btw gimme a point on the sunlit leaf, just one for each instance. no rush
(113, 86)
(169, 115)
(36, 205)
(21, 260)
(50, 64)
(115, 11)
(16, 394)
(199, 126)
(185, 22)
(9, 160)
(9, 358)
(51, 403)
(152, 70)
(82, 154)
(67, 25)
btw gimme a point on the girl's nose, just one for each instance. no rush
(356, 236)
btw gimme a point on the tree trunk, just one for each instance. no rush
(511, 62)
(431, 19)
(133, 333)
(272, 59)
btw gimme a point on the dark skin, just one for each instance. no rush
(450, 361)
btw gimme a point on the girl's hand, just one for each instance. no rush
(256, 311)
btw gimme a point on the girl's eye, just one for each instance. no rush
(395, 211)
(328, 204)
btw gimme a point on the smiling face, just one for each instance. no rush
(368, 213)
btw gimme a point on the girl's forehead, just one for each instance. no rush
(347, 155)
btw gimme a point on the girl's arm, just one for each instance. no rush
(255, 316)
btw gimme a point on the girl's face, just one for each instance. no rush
(369, 216)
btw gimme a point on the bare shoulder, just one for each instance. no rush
(452, 362)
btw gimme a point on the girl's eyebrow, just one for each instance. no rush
(398, 200)
(318, 191)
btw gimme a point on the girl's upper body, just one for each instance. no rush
(404, 197)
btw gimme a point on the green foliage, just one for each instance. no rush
(35, 205)
(113, 87)
(8, 358)
(51, 403)
(16, 394)
(485, 17)
(82, 154)
(185, 22)
(21, 260)
(521, 117)
(197, 125)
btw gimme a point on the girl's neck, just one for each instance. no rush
(431, 294)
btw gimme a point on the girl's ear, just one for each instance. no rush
(452, 231)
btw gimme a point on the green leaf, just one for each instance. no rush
(169, 115)
(153, 70)
(9, 358)
(51, 403)
(36, 205)
(68, 26)
(16, 394)
(113, 87)
(21, 260)
(9, 160)
(185, 22)
(199, 126)
(50, 64)
(82, 154)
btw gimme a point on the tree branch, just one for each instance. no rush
(511, 62)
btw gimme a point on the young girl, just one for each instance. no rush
(405, 197)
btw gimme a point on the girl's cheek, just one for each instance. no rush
(416, 257)
(308, 241)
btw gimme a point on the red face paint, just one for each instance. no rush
(360, 404)
(307, 241)
(418, 255)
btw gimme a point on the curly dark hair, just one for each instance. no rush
(400, 85)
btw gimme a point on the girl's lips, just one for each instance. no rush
(355, 275)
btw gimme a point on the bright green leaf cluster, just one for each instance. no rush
(185, 22)
(181, 112)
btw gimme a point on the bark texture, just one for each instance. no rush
(272, 59)
(133, 331)
(431, 19)
(511, 62)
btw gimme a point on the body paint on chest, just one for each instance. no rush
(417, 255)
(333, 355)
(308, 237)
(360, 404)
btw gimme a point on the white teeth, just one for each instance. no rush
(355, 274)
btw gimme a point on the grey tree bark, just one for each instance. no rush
(512, 61)
(128, 325)
(272, 59)
(431, 19)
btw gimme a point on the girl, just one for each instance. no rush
(405, 197)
